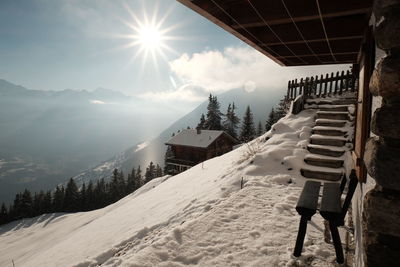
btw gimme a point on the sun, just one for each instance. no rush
(148, 35)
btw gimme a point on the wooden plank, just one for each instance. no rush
(309, 197)
(363, 114)
(330, 202)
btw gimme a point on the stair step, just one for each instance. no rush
(326, 151)
(328, 132)
(322, 175)
(344, 101)
(318, 102)
(331, 123)
(327, 141)
(333, 115)
(343, 108)
(324, 162)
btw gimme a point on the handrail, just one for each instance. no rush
(320, 86)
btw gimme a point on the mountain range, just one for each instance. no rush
(48, 136)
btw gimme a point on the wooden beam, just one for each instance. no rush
(324, 54)
(244, 37)
(304, 18)
(321, 40)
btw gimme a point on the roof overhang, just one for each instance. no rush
(293, 32)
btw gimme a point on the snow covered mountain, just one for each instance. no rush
(48, 136)
(199, 217)
(154, 150)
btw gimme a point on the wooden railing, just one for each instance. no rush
(321, 87)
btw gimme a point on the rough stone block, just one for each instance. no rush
(382, 212)
(385, 80)
(381, 229)
(383, 6)
(387, 31)
(386, 122)
(383, 163)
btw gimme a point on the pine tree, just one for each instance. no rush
(201, 124)
(90, 196)
(100, 194)
(58, 199)
(26, 204)
(47, 207)
(231, 121)
(117, 186)
(138, 178)
(280, 111)
(71, 199)
(16, 208)
(159, 171)
(38, 200)
(270, 121)
(259, 129)
(83, 198)
(248, 131)
(213, 121)
(150, 172)
(3, 214)
(130, 183)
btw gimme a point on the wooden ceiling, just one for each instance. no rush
(293, 32)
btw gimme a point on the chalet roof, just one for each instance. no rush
(190, 137)
(293, 32)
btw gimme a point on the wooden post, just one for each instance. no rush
(306, 87)
(336, 82)
(301, 86)
(295, 88)
(347, 80)
(288, 91)
(320, 84)
(326, 84)
(341, 82)
(331, 84)
(311, 85)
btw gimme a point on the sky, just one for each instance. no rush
(85, 44)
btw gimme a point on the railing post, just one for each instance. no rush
(336, 82)
(341, 82)
(331, 84)
(301, 86)
(311, 86)
(326, 84)
(295, 88)
(347, 80)
(288, 91)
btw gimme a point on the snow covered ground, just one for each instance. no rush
(199, 217)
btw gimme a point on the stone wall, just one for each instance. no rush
(381, 207)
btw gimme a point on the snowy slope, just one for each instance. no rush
(154, 150)
(198, 217)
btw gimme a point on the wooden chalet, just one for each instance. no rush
(192, 146)
(366, 34)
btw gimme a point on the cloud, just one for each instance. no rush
(98, 102)
(215, 71)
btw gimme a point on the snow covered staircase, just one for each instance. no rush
(331, 137)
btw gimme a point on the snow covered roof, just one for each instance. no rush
(190, 137)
